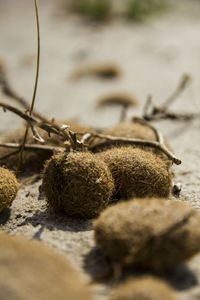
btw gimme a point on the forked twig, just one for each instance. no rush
(153, 113)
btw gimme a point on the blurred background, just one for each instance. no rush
(149, 44)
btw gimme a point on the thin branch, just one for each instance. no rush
(9, 91)
(153, 113)
(32, 147)
(154, 144)
(158, 134)
(36, 135)
(185, 80)
(48, 127)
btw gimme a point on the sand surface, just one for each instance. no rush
(153, 56)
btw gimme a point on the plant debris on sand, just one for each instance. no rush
(31, 270)
(137, 173)
(77, 183)
(149, 233)
(8, 188)
(143, 288)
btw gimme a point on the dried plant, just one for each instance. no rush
(150, 234)
(106, 71)
(28, 267)
(77, 184)
(8, 90)
(124, 100)
(8, 188)
(34, 91)
(137, 173)
(63, 132)
(143, 288)
(153, 113)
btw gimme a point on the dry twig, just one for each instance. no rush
(48, 127)
(108, 139)
(153, 113)
(9, 91)
(86, 137)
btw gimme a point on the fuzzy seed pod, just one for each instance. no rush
(132, 130)
(144, 288)
(118, 98)
(8, 188)
(77, 183)
(137, 173)
(33, 160)
(152, 234)
(102, 71)
(31, 270)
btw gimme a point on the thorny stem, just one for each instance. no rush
(35, 88)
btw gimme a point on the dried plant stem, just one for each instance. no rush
(35, 88)
(48, 127)
(123, 113)
(86, 137)
(31, 147)
(9, 91)
(185, 80)
(153, 113)
(154, 144)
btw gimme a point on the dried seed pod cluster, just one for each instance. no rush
(144, 288)
(30, 270)
(8, 188)
(137, 173)
(149, 233)
(77, 183)
(33, 159)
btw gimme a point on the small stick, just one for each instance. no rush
(154, 144)
(158, 134)
(185, 80)
(48, 127)
(162, 112)
(32, 147)
(8, 91)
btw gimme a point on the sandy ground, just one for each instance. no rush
(152, 56)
